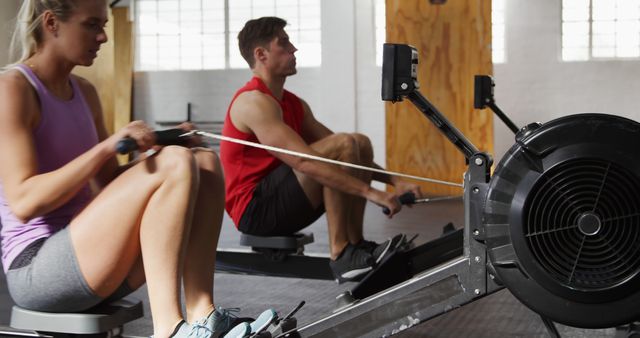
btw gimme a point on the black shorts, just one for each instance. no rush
(279, 206)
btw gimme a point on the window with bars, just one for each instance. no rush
(497, 28)
(498, 51)
(600, 29)
(202, 34)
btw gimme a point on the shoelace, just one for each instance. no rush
(228, 316)
(200, 330)
(369, 246)
(224, 319)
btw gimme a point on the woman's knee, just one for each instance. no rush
(177, 161)
(207, 159)
(211, 173)
(178, 171)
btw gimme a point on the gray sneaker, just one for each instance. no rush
(246, 329)
(182, 330)
(378, 251)
(352, 264)
(218, 323)
(241, 330)
(263, 321)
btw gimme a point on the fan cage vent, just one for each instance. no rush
(601, 255)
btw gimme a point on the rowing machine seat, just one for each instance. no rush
(277, 247)
(108, 318)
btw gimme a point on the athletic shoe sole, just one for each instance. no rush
(239, 331)
(392, 243)
(263, 321)
(353, 275)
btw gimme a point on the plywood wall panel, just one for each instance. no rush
(454, 43)
(123, 60)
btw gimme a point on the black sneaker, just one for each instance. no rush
(352, 264)
(378, 251)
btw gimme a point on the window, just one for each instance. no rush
(303, 26)
(202, 34)
(600, 29)
(498, 29)
(380, 27)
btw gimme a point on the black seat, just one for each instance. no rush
(277, 245)
(293, 242)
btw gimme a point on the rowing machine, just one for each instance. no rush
(558, 224)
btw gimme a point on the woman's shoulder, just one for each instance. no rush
(17, 97)
(15, 89)
(13, 79)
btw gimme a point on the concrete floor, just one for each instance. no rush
(497, 315)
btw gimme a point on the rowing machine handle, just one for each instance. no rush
(163, 138)
(404, 199)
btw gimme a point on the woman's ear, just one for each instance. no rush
(50, 23)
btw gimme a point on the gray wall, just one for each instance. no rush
(8, 12)
(533, 85)
(344, 92)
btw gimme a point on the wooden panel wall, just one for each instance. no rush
(454, 43)
(112, 71)
(123, 58)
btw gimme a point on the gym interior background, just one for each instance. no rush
(533, 83)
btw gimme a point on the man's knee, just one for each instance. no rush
(346, 145)
(351, 147)
(365, 148)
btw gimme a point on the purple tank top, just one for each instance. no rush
(66, 130)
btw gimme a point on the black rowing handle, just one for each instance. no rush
(406, 198)
(163, 138)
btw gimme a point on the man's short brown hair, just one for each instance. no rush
(258, 32)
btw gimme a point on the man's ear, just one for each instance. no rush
(260, 53)
(50, 22)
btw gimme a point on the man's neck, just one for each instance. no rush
(274, 83)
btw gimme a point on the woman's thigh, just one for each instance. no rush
(106, 234)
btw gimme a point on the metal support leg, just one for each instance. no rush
(551, 327)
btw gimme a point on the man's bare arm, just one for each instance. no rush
(260, 114)
(312, 129)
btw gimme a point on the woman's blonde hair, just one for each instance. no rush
(28, 30)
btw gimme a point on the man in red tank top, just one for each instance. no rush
(271, 194)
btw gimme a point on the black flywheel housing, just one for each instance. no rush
(562, 218)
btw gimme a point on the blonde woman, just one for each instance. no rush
(157, 221)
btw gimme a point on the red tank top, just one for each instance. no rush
(245, 166)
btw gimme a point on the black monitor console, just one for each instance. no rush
(400, 80)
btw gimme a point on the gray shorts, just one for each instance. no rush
(46, 277)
